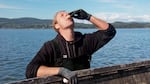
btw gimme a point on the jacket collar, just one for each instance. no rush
(78, 36)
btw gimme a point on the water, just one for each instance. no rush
(19, 46)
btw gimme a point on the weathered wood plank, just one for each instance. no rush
(134, 73)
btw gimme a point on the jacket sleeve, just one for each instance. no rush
(99, 38)
(41, 58)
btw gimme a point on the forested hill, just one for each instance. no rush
(24, 23)
(46, 23)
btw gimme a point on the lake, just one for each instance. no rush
(19, 46)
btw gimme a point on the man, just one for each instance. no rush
(70, 50)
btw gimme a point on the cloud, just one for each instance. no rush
(3, 6)
(112, 17)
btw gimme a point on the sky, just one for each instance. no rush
(109, 10)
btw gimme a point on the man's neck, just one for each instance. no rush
(68, 34)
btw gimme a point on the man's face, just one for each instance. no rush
(64, 20)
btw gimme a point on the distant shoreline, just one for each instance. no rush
(27, 23)
(76, 28)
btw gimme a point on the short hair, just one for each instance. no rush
(55, 21)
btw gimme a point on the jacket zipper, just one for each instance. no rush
(68, 50)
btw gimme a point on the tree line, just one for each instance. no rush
(45, 23)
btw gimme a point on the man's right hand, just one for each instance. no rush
(69, 75)
(80, 14)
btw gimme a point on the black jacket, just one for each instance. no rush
(72, 55)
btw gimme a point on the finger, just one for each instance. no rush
(82, 10)
(76, 17)
(72, 81)
(71, 14)
(69, 82)
(76, 80)
(74, 14)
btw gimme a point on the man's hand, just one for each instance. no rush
(69, 75)
(80, 14)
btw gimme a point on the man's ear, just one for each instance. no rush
(57, 26)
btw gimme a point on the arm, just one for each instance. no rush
(41, 66)
(99, 38)
(81, 14)
(37, 67)
(47, 71)
(100, 24)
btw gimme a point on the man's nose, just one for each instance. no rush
(66, 14)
